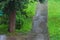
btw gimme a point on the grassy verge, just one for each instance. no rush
(54, 19)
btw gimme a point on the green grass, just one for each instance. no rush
(3, 29)
(54, 19)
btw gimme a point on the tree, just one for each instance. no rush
(10, 8)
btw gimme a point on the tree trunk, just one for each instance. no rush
(12, 20)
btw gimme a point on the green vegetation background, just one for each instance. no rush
(23, 23)
(54, 19)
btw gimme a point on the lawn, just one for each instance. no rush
(54, 19)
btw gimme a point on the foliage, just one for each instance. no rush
(26, 21)
(24, 13)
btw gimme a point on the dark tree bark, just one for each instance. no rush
(12, 16)
(12, 20)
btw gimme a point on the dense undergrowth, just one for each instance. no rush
(23, 21)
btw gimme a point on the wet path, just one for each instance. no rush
(40, 23)
(2, 37)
